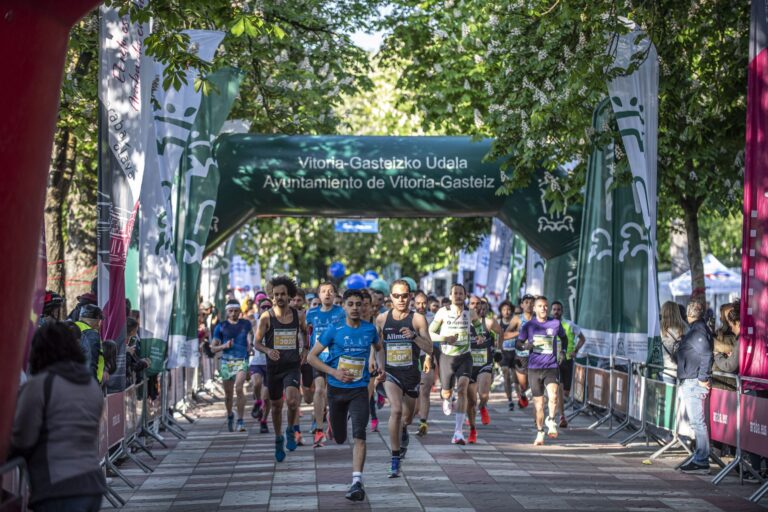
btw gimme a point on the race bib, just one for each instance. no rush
(542, 344)
(522, 353)
(354, 365)
(479, 357)
(285, 339)
(508, 345)
(399, 354)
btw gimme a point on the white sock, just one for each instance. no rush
(459, 423)
(357, 476)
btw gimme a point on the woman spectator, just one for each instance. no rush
(57, 425)
(673, 327)
(726, 351)
(134, 364)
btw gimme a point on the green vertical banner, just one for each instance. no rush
(560, 281)
(612, 290)
(197, 190)
(517, 267)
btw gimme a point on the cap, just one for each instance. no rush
(259, 296)
(206, 304)
(88, 297)
(91, 311)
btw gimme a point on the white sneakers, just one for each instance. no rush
(447, 407)
(539, 439)
(551, 427)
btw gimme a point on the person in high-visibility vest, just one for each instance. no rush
(572, 332)
(90, 340)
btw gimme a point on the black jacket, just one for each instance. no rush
(694, 356)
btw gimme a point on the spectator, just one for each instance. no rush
(134, 364)
(82, 300)
(726, 351)
(90, 340)
(673, 327)
(57, 423)
(694, 369)
(52, 303)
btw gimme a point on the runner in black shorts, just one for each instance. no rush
(428, 362)
(283, 330)
(404, 334)
(506, 312)
(521, 356)
(484, 336)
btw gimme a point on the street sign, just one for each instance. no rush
(357, 225)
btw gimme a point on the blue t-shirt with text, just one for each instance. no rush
(226, 331)
(320, 321)
(349, 347)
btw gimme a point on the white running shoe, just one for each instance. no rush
(539, 439)
(551, 427)
(458, 438)
(447, 407)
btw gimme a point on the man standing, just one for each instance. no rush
(521, 356)
(545, 340)
(349, 344)
(320, 320)
(572, 331)
(405, 335)
(694, 370)
(89, 323)
(283, 331)
(231, 339)
(451, 328)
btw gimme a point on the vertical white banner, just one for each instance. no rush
(534, 273)
(481, 267)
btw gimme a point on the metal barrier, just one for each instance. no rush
(754, 410)
(13, 492)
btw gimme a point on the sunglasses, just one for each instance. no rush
(265, 307)
(400, 295)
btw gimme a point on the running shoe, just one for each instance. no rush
(279, 449)
(299, 440)
(290, 439)
(263, 428)
(511, 405)
(484, 416)
(319, 438)
(551, 427)
(523, 402)
(563, 422)
(458, 438)
(394, 469)
(240, 426)
(447, 407)
(256, 412)
(356, 492)
(379, 400)
(472, 439)
(539, 438)
(375, 425)
(231, 422)
(422, 429)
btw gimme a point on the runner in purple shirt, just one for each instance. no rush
(546, 340)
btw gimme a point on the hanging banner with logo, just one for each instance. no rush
(517, 267)
(753, 353)
(635, 103)
(125, 114)
(500, 251)
(534, 272)
(560, 281)
(196, 196)
(480, 279)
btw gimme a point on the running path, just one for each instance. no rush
(214, 470)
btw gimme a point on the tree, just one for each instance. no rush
(530, 72)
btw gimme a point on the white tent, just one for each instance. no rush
(718, 279)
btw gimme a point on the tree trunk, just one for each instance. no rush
(691, 216)
(81, 231)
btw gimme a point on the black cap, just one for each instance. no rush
(91, 311)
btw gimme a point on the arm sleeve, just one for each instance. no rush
(729, 364)
(29, 417)
(705, 361)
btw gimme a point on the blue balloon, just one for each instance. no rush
(370, 276)
(379, 285)
(356, 282)
(337, 270)
(411, 284)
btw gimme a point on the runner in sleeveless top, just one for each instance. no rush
(506, 312)
(404, 334)
(349, 344)
(257, 367)
(572, 331)
(451, 328)
(484, 337)
(421, 304)
(521, 356)
(545, 338)
(283, 331)
(231, 339)
(318, 321)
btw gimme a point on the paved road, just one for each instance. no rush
(581, 471)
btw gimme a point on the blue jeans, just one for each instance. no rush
(694, 398)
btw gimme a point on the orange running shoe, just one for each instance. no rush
(319, 438)
(523, 402)
(484, 416)
(472, 439)
(299, 440)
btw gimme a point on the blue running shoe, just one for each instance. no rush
(241, 426)
(394, 470)
(231, 422)
(290, 439)
(279, 450)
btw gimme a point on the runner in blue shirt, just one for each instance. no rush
(231, 339)
(349, 344)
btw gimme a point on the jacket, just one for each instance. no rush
(727, 364)
(694, 355)
(90, 342)
(56, 429)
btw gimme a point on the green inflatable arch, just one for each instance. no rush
(340, 176)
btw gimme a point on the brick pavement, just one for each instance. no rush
(214, 470)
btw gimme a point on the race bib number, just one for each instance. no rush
(479, 357)
(508, 345)
(522, 353)
(353, 365)
(543, 344)
(399, 354)
(285, 339)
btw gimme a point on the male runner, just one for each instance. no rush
(521, 356)
(375, 399)
(572, 331)
(318, 321)
(538, 336)
(451, 328)
(506, 311)
(349, 344)
(428, 364)
(231, 339)
(257, 367)
(484, 336)
(300, 300)
(283, 331)
(405, 335)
